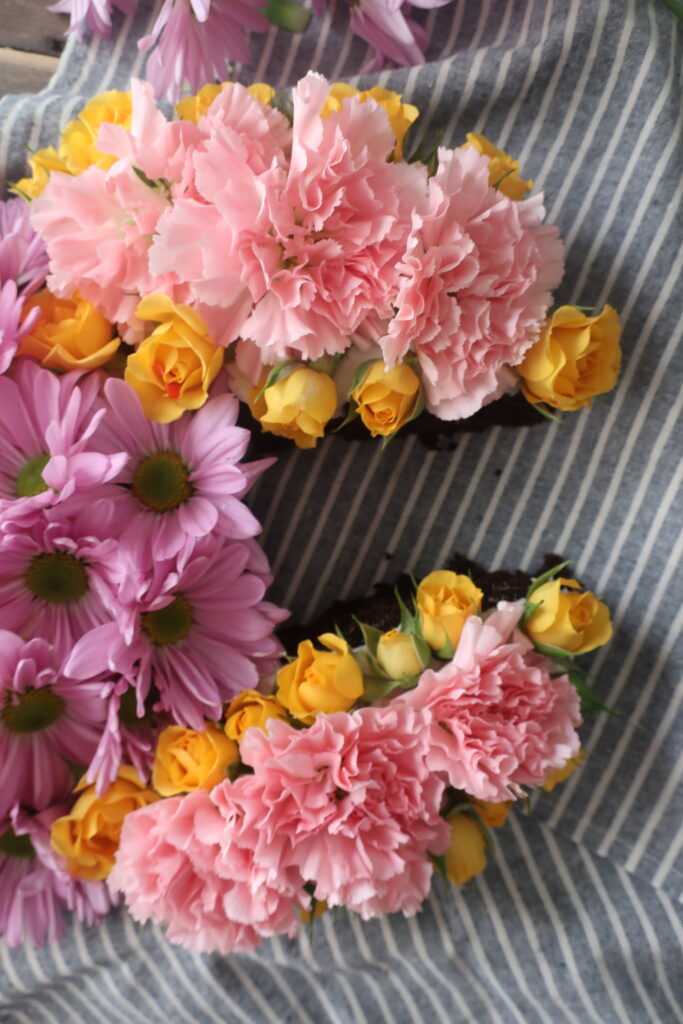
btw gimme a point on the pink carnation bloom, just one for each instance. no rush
(182, 480)
(56, 573)
(474, 286)
(194, 40)
(500, 721)
(180, 865)
(349, 802)
(23, 258)
(46, 448)
(197, 629)
(96, 14)
(45, 720)
(34, 886)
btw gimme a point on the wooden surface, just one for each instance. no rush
(31, 39)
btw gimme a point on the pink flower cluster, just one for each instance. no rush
(348, 810)
(23, 269)
(303, 240)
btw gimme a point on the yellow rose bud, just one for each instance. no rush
(186, 760)
(576, 623)
(493, 815)
(445, 601)
(41, 163)
(400, 115)
(398, 655)
(174, 367)
(251, 708)
(77, 148)
(320, 681)
(70, 334)
(558, 775)
(191, 108)
(503, 170)
(88, 837)
(387, 399)
(466, 856)
(298, 406)
(576, 358)
(319, 908)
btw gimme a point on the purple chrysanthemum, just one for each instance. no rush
(95, 14)
(46, 720)
(11, 328)
(34, 885)
(193, 41)
(182, 480)
(197, 630)
(23, 256)
(126, 737)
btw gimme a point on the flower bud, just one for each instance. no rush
(250, 708)
(466, 855)
(320, 681)
(387, 399)
(297, 406)
(398, 655)
(186, 760)
(445, 601)
(576, 623)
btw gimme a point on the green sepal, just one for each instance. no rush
(540, 580)
(529, 608)
(502, 178)
(583, 309)
(419, 406)
(370, 636)
(558, 654)
(287, 14)
(13, 187)
(439, 862)
(446, 652)
(376, 687)
(360, 374)
(283, 103)
(350, 415)
(545, 412)
(149, 182)
(424, 651)
(408, 623)
(275, 374)
(589, 702)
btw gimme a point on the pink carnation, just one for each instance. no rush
(350, 803)
(500, 721)
(474, 286)
(180, 863)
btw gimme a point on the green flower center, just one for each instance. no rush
(57, 577)
(35, 710)
(16, 846)
(30, 479)
(170, 624)
(162, 482)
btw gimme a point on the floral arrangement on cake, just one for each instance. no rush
(293, 240)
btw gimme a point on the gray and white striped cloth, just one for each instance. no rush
(578, 918)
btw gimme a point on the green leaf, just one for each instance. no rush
(545, 412)
(287, 14)
(589, 702)
(275, 374)
(351, 414)
(529, 608)
(149, 182)
(676, 7)
(540, 580)
(439, 862)
(370, 636)
(376, 687)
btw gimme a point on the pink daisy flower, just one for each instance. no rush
(46, 448)
(193, 41)
(12, 330)
(500, 720)
(182, 480)
(198, 630)
(45, 721)
(35, 888)
(56, 573)
(95, 14)
(23, 258)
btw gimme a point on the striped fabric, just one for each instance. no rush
(578, 918)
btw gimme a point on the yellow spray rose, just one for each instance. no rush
(88, 837)
(466, 856)
(42, 163)
(308, 916)
(558, 775)
(445, 601)
(576, 358)
(191, 108)
(400, 115)
(70, 334)
(493, 815)
(174, 367)
(398, 656)
(320, 681)
(251, 708)
(77, 147)
(298, 406)
(576, 623)
(186, 760)
(503, 169)
(387, 399)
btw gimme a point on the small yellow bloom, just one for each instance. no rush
(70, 334)
(560, 774)
(298, 406)
(493, 815)
(576, 623)
(251, 708)
(576, 358)
(398, 655)
(186, 760)
(42, 162)
(445, 601)
(319, 908)
(400, 115)
(503, 170)
(77, 147)
(88, 837)
(191, 108)
(174, 367)
(387, 399)
(466, 856)
(320, 681)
